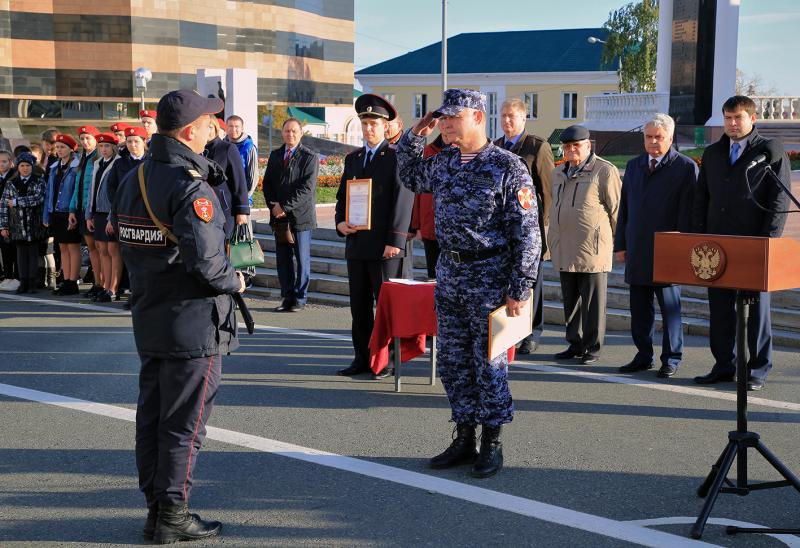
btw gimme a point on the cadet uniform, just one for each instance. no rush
(391, 217)
(181, 305)
(487, 227)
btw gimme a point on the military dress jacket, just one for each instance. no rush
(486, 203)
(660, 201)
(722, 202)
(391, 205)
(181, 300)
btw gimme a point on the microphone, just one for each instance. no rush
(763, 157)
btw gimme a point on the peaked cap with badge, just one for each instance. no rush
(370, 105)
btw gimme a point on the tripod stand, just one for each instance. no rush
(739, 441)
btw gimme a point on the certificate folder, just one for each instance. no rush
(358, 207)
(506, 331)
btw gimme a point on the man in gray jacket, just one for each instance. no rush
(583, 219)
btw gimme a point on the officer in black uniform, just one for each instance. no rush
(181, 304)
(375, 255)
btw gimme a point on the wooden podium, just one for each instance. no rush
(750, 265)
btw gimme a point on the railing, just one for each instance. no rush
(622, 111)
(777, 108)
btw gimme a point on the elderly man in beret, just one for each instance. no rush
(583, 219)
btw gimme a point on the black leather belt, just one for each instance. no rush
(470, 256)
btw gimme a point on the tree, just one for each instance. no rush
(753, 85)
(633, 38)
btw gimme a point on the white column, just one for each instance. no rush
(664, 52)
(207, 79)
(241, 98)
(725, 53)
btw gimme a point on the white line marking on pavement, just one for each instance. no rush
(486, 497)
(789, 540)
(68, 304)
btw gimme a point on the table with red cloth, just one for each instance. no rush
(405, 313)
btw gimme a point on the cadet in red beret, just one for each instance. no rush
(67, 140)
(148, 118)
(60, 185)
(119, 130)
(89, 130)
(80, 198)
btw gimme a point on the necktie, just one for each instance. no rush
(735, 152)
(369, 158)
(508, 145)
(653, 164)
(286, 157)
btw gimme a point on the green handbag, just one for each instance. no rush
(245, 251)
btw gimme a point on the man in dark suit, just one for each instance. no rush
(656, 197)
(538, 158)
(723, 204)
(290, 187)
(374, 255)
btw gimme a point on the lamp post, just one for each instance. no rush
(142, 75)
(271, 123)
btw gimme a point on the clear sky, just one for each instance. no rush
(768, 43)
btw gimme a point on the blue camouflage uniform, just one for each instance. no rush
(480, 207)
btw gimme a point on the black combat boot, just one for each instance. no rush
(152, 516)
(461, 451)
(490, 461)
(175, 523)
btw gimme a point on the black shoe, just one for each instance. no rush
(567, 354)
(353, 369)
(175, 523)
(667, 371)
(104, 296)
(383, 373)
(490, 459)
(633, 367)
(69, 287)
(461, 451)
(93, 292)
(285, 306)
(527, 346)
(588, 358)
(714, 377)
(149, 528)
(297, 307)
(754, 384)
(23, 288)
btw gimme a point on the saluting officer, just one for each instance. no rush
(373, 256)
(172, 237)
(487, 226)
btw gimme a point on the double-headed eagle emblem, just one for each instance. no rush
(708, 261)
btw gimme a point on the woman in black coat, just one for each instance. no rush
(233, 194)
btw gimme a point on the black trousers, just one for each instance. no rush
(28, 262)
(8, 253)
(431, 256)
(538, 308)
(175, 400)
(365, 279)
(584, 295)
(408, 261)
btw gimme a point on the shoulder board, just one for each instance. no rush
(193, 173)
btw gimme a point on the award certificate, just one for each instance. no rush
(358, 210)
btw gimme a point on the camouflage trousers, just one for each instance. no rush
(476, 387)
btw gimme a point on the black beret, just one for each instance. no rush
(369, 105)
(574, 133)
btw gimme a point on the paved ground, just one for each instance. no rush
(300, 457)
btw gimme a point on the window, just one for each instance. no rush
(391, 97)
(569, 106)
(491, 114)
(420, 104)
(531, 105)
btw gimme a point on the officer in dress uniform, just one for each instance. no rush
(173, 243)
(487, 227)
(373, 256)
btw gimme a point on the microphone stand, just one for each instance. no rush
(742, 439)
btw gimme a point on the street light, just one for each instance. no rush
(593, 40)
(142, 75)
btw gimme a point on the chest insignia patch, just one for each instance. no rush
(204, 209)
(525, 197)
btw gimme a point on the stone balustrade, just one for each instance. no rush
(622, 111)
(777, 108)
